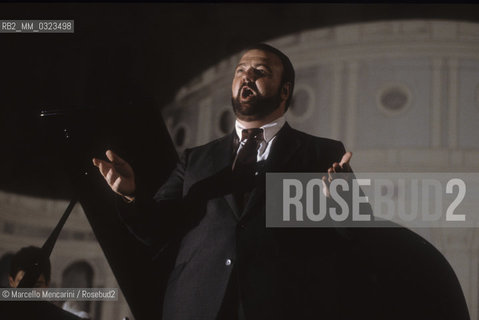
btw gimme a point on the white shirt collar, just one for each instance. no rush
(269, 129)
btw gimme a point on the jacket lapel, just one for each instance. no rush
(285, 146)
(222, 158)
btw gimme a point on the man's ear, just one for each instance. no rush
(285, 91)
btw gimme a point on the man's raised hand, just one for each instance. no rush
(341, 167)
(118, 174)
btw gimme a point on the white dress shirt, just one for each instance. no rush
(269, 135)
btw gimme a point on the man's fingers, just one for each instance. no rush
(336, 167)
(96, 162)
(330, 176)
(110, 155)
(117, 173)
(346, 158)
(113, 157)
(115, 185)
(325, 186)
(110, 176)
(104, 167)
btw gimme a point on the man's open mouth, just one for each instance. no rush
(247, 92)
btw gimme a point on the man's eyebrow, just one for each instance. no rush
(263, 65)
(256, 65)
(240, 65)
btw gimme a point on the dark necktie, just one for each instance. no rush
(245, 164)
(246, 157)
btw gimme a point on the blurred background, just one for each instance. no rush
(397, 83)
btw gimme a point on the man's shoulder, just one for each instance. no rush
(219, 144)
(212, 144)
(315, 140)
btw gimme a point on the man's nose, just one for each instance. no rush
(249, 75)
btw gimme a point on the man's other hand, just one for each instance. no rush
(118, 174)
(341, 167)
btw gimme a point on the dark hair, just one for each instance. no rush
(288, 70)
(26, 257)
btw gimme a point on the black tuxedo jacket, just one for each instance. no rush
(283, 273)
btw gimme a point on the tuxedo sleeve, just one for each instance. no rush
(156, 219)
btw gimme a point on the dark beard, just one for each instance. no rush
(257, 108)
